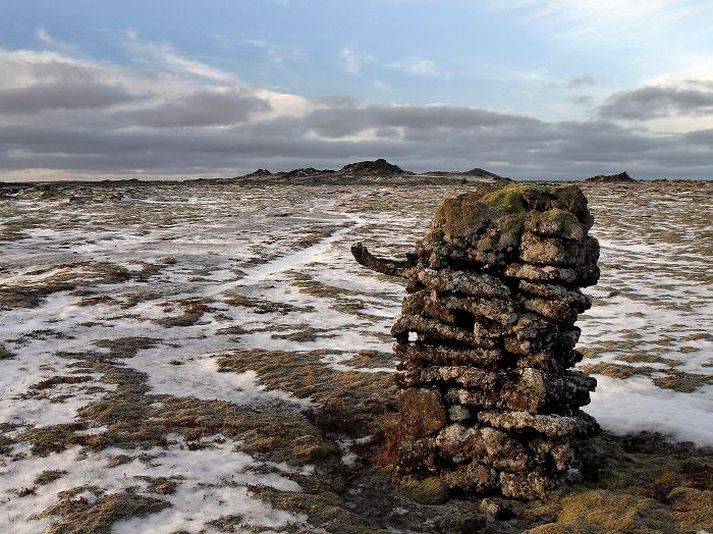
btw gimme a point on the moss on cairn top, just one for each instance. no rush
(487, 224)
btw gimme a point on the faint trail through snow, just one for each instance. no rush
(284, 263)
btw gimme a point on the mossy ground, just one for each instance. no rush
(672, 378)
(79, 516)
(507, 198)
(183, 296)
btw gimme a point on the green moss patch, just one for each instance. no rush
(507, 199)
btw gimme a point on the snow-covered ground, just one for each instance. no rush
(144, 303)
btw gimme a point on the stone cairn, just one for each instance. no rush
(486, 338)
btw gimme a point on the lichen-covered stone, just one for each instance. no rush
(481, 444)
(421, 412)
(579, 424)
(540, 250)
(524, 485)
(555, 223)
(582, 276)
(465, 282)
(417, 355)
(458, 413)
(486, 337)
(474, 477)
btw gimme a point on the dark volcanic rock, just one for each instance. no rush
(622, 177)
(305, 172)
(379, 167)
(474, 173)
(486, 337)
(258, 173)
(423, 412)
(482, 173)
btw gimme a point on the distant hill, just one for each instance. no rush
(622, 177)
(475, 173)
(304, 172)
(379, 167)
(258, 173)
(482, 173)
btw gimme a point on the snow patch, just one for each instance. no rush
(637, 404)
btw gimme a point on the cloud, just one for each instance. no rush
(61, 95)
(202, 108)
(74, 115)
(581, 81)
(352, 61)
(166, 55)
(380, 86)
(277, 54)
(610, 21)
(419, 66)
(20, 68)
(581, 100)
(47, 39)
(700, 137)
(654, 102)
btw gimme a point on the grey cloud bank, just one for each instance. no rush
(60, 115)
(652, 102)
(61, 95)
(202, 108)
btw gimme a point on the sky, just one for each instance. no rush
(534, 89)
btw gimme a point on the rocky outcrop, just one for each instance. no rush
(305, 172)
(477, 173)
(361, 169)
(379, 167)
(258, 173)
(482, 173)
(622, 177)
(486, 338)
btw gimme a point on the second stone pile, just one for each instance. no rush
(486, 338)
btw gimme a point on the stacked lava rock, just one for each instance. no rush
(486, 338)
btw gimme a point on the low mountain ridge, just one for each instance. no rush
(378, 167)
(621, 178)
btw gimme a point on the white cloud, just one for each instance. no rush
(581, 81)
(169, 57)
(418, 66)
(610, 20)
(175, 117)
(353, 61)
(278, 54)
(47, 39)
(688, 68)
(380, 86)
